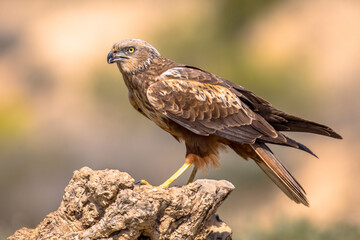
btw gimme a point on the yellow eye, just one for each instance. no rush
(131, 50)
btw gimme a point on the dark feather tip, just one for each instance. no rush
(336, 135)
(306, 149)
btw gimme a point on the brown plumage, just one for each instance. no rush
(209, 113)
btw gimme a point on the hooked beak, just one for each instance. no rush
(111, 57)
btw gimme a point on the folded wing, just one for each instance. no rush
(206, 108)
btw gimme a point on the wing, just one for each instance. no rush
(200, 104)
(280, 120)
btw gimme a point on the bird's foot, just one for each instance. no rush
(167, 183)
(144, 182)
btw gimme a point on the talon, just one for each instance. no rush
(142, 182)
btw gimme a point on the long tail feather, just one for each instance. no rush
(273, 168)
(277, 172)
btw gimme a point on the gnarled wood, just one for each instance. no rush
(107, 204)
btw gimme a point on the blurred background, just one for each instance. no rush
(63, 107)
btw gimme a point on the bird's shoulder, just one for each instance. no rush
(187, 72)
(168, 71)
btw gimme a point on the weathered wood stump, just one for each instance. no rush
(107, 204)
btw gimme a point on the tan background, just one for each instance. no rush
(63, 107)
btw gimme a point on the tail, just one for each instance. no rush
(280, 120)
(274, 169)
(286, 122)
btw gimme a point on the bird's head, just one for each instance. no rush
(132, 55)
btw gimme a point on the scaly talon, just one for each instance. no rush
(143, 182)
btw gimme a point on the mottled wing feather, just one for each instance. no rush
(243, 125)
(206, 108)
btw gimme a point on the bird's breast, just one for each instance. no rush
(137, 86)
(140, 102)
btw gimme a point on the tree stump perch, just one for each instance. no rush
(107, 204)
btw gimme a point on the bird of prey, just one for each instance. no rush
(209, 113)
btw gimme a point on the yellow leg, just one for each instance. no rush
(193, 174)
(181, 170)
(167, 183)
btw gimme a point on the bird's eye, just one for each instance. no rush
(131, 50)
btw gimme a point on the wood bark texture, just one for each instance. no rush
(107, 204)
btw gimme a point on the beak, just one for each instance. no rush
(111, 57)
